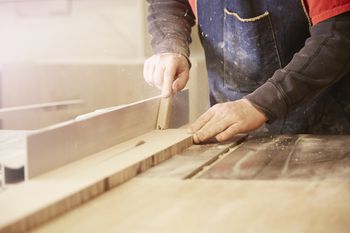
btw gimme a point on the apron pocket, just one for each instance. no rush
(250, 51)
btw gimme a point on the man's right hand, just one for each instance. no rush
(169, 72)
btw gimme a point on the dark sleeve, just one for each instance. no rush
(169, 23)
(324, 60)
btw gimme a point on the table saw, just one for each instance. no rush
(112, 171)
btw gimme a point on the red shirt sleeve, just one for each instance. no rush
(193, 4)
(320, 10)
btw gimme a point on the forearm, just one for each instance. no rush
(169, 23)
(323, 61)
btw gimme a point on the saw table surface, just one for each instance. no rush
(283, 183)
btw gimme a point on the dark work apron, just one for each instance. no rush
(246, 41)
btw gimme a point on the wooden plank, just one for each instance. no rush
(319, 157)
(164, 113)
(282, 151)
(171, 205)
(42, 198)
(286, 157)
(58, 145)
(191, 161)
(188, 163)
(245, 162)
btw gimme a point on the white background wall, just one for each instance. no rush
(96, 29)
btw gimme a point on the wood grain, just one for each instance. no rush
(286, 157)
(179, 206)
(164, 113)
(320, 157)
(45, 197)
(192, 160)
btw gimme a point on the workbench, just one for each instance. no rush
(281, 183)
(161, 182)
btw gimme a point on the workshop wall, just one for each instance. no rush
(93, 51)
(72, 28)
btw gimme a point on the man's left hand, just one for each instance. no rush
(223, 121)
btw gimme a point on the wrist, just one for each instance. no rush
(259, 112)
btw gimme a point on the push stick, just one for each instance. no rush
(164, 113)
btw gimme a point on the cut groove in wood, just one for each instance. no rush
(192, 160)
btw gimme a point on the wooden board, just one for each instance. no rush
(193, 160)
(58, 145)
(164, 113)
(42, 198)
(287, 157)
(169, 205)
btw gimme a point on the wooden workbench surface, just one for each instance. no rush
(265, 184)
(170, 205)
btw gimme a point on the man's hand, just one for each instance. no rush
(167, 71)
(225, 120)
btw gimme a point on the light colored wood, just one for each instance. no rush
(164, 113)
(38, 200)
(182, 206)
(193, 160)
(58, 145)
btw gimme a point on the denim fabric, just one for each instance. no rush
(246, 41)
(250, 52)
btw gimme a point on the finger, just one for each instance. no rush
(181, 81)
(201, 121)
(195, 139)
(169, 75)
(228, 133)
(211, 129)
(158, 76)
